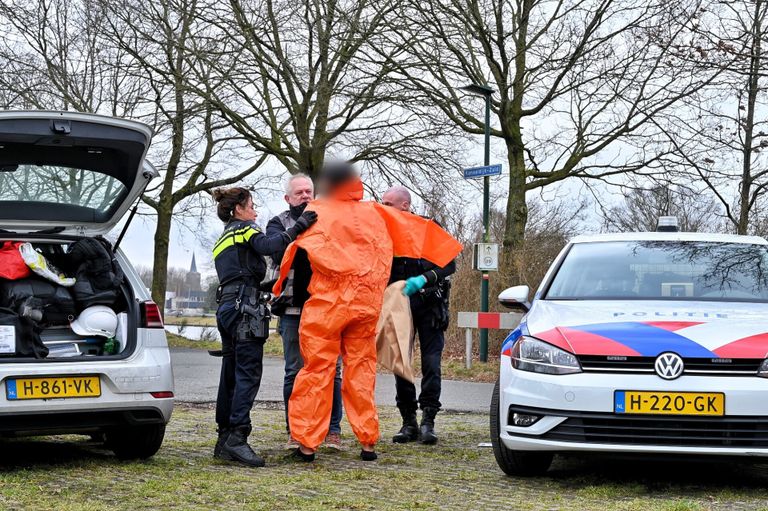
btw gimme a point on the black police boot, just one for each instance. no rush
(236, 448)
(410, 430)
(223, 435)
(428, 435)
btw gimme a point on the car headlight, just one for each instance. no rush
(763, 369)
(530, 354)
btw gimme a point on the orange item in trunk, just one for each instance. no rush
(12, 265)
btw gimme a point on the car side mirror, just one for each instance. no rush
(515, 298)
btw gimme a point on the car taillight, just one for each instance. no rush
(150, 315)
(162, 395)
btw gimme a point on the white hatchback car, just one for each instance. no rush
(65, 176)
(638, 343)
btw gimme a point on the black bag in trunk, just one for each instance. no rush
(98, 276)
(53, 301)
(25, 335)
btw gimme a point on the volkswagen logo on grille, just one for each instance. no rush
(669, 366)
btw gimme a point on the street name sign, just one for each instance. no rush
(485, 170)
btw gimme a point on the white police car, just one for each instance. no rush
(638, 343)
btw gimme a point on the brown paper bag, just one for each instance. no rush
(394, 333)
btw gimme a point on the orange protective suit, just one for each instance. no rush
(350, 250)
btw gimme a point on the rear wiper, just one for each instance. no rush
(52, 230)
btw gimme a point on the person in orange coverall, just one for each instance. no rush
(350, 251)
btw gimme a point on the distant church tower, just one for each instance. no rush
(193, 277)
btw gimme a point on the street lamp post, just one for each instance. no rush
(486, 92)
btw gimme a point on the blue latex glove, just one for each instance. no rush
(413, 284)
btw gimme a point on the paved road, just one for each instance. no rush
(197, 378)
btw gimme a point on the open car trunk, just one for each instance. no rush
(65, 179)
(52, 311)
(68, 172)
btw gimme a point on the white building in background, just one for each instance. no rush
(190, 301)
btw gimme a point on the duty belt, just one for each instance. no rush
(233, 288)
(229, 291)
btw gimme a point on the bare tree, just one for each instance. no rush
(60, 185)
(307, 79)
(55, 56)
(759, 223)
(164, 42)
(721, 133)
(576, 82)
(641, 208)
(137, 59)
(551, 224)
(176, 278)
(145, 273)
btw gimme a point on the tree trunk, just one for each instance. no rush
(160, 263)
(749, 125)
(517, 210)
(317, 159)
(310, 160)
(510, 110)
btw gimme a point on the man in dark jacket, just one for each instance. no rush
(299, 191)
(429, 308)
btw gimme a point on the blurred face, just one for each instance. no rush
(301, 192)
(396, 200)
(323, 188)
(247, 212)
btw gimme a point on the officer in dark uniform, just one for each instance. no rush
(242, 317)
(428, 286)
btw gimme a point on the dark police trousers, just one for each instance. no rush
(241, 369)
(431, 343)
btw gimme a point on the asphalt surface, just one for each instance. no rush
(197, 378)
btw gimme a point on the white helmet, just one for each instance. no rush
(96, 320)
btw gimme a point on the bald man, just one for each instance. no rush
(429, 308)
(397, 197)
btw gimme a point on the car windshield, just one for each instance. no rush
(59, 185)
(663, 270)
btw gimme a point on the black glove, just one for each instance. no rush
(303, 223)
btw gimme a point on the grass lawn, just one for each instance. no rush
(273, 346)
(456, 369)
(190, 320)
(177, 341)
(200, 321)
(72, 474)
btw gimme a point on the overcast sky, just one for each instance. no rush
(188, 237)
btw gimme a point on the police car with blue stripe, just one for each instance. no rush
(638, 343)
